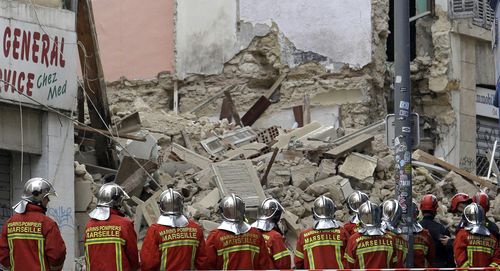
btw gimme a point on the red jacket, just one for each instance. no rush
(351, 228)
(111, 244)
(321, 249)
(32, 241)
(473, 250)
(423, 249)
(370, 251)
(172, 248)
(277, 249)
(225, 250)
(401, 246)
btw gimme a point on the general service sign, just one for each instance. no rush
(37, 62)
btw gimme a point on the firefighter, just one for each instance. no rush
(371, 246)
(474, 245)
(31, 240)
(353, 202)
(174, 242)
(322, 246)
(269, 216)
(482, 199)
(234, 244)
(428, 207)
(110, 239)
(458, 203)
(391, 218)
(423, 245)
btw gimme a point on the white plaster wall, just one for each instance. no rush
(205, 35)
(496, 50)
(56, 164)
(443, 4)
(338, 29)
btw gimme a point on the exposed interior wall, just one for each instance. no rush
(331, 31)
(205, 36)
(136, 39)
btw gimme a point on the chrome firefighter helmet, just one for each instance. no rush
(391, 215)
(232, 209)
(355, 200)
(324, 213)
(109, 196)
(475, 219)
(270, 212)
(171, 204)
(370, 216)
(35, 190)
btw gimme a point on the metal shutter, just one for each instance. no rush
(462, 8)
(5, 188)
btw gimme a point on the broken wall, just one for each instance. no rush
(329, 31)
(205, 36)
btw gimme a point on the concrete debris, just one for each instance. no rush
(358, 166)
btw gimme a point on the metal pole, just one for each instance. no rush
(402, 109)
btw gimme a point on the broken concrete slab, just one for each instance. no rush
(284, 139)
(461, 185)
(190, 156)
(149, 208)
(248, 151)
(240, 178)
(144, 150)
(133, 173)
(303, 175)
(358, 143)
(333, 186)
(210, 200)
(358, 166)
(327, 168)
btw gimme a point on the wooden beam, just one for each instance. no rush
(209, 100)
(298, 115)
(235, 114)
(187, 141)
(93, 80)
(255, 111)
(263, 180)
(307, 110)
(107, 133)
(430, 159)
(225, 111)
(357, 143)
(275, 86)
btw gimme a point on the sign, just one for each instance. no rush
(484, 103)
(38, 63)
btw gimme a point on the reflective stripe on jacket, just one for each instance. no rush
(472, 250)
(32, 241)
(277, 249)
(371, 251)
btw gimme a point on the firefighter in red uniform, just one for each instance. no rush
(174, 242)
(31, 240)
(269, 216)
(391, 218)
(474, 245)
(110, 239)
(234, 244)
(353, 202)
(323, 246)
(370, 247)
(423, 245)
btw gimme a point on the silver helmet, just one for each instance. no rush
(35, 190)
(391, 215)
(109, 196)
(324, 214)
(171, 204)
(270, 212)
(353, 202)
(370, 216)
(232, 208)
(475, 219)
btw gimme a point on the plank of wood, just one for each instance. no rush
(263, 180)
(307, 109)
(357, 142)
(187, 141)
(275, 86)
(190, 156)
(298, 115)
(430, 159)
(107, 133)
(225, 111)
(234, 111)
(255, 111)
(209, 100)
(94, 83)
